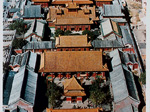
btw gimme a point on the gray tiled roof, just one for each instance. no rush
(28, 58)
(130, 83)
(127, 57)
(106, 44)
(116, 58)
(36, 28)
(113, 10)
(15, 93)
(19, 109)
(39, 45)
(30, 90)
(17, 60)
(126, 36)
(122, 80)
(120, 20)
(7, 87)
(126, 109)
(32, 60)
(107, 27)
(13, 10)
(25, 80)
(17, 14)
(32, 11)
(119, 87)
(20, 59)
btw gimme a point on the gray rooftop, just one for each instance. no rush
(128, 108)
(13, 10)
(107, 27)
(17, 15)
(32, 11)
(9, 32)
(126, 36)
(119, 87)
(15, 93)
(119, 20)
(28, 58)
(18, 109)
(113, 10)
(130, 83)
(7, 87)
(127, 57)
(106, 44)
(36, 28)
(25, 80)
(39, 45)
(122, 80)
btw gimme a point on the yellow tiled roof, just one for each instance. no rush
(72, 61)
(72, 41)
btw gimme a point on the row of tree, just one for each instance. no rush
(100, 93)
(19, 26)
(91, 34)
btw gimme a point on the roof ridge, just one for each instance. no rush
(76, 82)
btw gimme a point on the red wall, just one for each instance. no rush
(102, 2)
(43, 5)
(79, 98)
(68, 98)
(75, 27)
(71, 49)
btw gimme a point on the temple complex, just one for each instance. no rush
(72, 17)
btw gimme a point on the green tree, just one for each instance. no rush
(19, 26)
(59, 32)
(54, 93)
(68, 32)
(143, 78)
(98, 92)
(89, 33)
(18, 43)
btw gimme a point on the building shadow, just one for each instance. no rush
(41, 101)
(139, 89)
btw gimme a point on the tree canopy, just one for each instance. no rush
(68, 32)
(99, 93)
(89, 33)
(18, 43)
(61, 32)
(19, 26)
(143, 78)
(54, 93)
